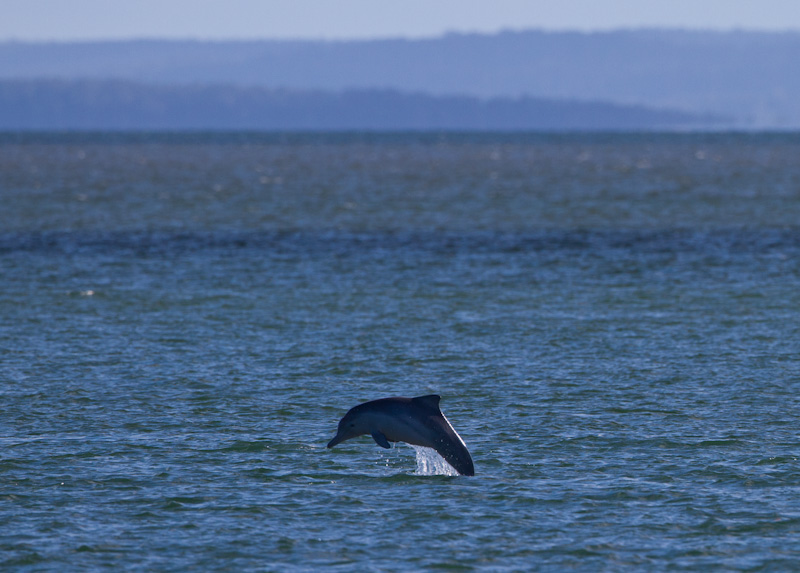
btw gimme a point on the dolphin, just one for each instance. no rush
(417, 421)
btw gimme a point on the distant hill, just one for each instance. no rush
(751, 76)
(116, 104)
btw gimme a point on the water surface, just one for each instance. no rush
(611, 320)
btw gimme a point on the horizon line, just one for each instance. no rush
(399, 37)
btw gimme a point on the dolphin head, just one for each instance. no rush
(351, 426)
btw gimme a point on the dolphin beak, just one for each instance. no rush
(339, 438)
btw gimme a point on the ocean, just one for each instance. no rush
(612, 321)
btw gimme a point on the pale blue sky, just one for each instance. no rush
(341, 19)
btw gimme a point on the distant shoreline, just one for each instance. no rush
(746, 77)
(122, 105)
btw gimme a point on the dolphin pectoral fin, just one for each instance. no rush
(380, 439)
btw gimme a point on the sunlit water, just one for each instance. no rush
(612, 323)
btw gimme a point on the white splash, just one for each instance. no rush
(429, 463)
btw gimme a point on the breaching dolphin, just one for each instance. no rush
(417, 421)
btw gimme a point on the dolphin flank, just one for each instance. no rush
(417, 421)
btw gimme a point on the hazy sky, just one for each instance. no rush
(234, 19)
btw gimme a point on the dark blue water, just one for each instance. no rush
(613, 323)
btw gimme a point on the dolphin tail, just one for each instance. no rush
(457, 455)
(453, 449)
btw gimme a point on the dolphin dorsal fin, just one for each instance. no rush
(430, 401)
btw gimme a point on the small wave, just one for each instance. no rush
(429, 463)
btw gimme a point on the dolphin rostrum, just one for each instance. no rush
(417, 421)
